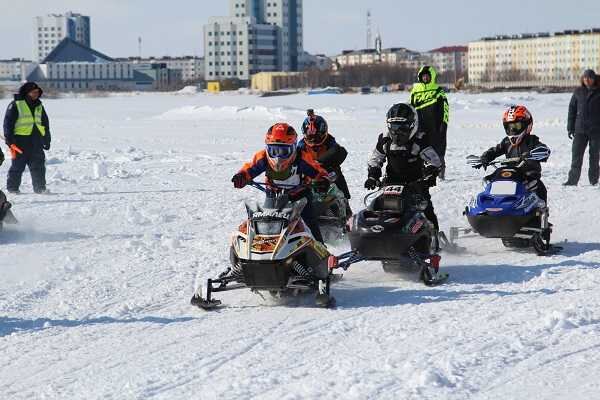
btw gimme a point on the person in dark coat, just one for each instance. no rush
(520, 143)
(584, 127)
(27, 134)
(407, 153)
(323, 147)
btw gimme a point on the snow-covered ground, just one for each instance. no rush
(96, 280)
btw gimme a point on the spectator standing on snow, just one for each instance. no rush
(27, 134)
(432, 105)
(583, 127)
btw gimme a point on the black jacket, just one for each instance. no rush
(531, 169)
(405, 163)
(330, 155)
(584, 111)
(33, 142)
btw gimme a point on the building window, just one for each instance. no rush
(209, 33)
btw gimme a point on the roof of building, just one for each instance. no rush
(541, 34)
(68, 50)
(450, 49)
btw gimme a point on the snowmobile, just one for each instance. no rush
(274, 251)
(508, 210)
(6, 215)
(393, 229)
(331, 206)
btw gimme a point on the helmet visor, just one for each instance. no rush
(515, 128)
(400, 125)
(283, 151)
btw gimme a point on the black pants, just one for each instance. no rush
(36, 161)
(580, 142)
(308, 215)
(541, 191)
(429, 211)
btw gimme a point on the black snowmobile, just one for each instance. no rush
(274, 251)
(393, 229)
(6, 215)
(332, 208)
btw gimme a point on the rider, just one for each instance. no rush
(409, 155)
(323, 147)
(284, 165)
(519, 142)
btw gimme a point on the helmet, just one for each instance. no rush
(402, 122)
(314, 129)
(518, 122)
(280, 143)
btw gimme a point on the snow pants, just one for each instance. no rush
(36, 161)
(580, 142)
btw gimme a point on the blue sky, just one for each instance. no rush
(175, 27)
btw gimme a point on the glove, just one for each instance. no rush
(431, 170)
(46, 146)
(239, 180)
(371, 183)
(321, 186)
(571, 134)
(1, 157)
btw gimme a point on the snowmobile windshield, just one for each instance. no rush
(270, 226)
(281, 150)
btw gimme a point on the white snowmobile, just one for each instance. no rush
(274, 251)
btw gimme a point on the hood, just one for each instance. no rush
(28, 87)
(432, 72)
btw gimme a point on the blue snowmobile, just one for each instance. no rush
(507, 209)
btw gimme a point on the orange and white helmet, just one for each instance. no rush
(281, 141)
(518, 123)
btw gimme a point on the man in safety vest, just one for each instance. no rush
(27, 135)
(431, 103)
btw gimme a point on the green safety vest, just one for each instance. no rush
(26, 120)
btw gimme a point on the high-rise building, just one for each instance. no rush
(51, 29)
(257, 36)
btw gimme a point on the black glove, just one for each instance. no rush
(431, 171)
(485, 160)
(321, 185)
(239, 180)
(1, 157)
(571, 134)
(46, 146)
(371, 183)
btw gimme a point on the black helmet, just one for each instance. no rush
(402, 122)
(314, 128)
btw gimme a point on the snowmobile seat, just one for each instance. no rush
(388, 203)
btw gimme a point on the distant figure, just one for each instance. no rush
(27, 134)
(432, 105)
(584, 126)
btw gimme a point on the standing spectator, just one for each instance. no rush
(27, 134)
(584, 127)
(431, 103)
